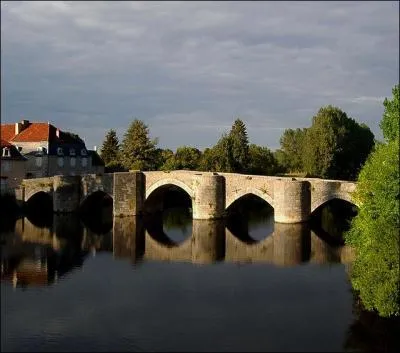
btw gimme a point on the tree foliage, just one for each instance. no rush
(185, 158)
(335, 146)
(375, 230)
(223, 155)
(261, 161)
(239, 144)
(390, 121)
(292, 149)
(110, 150)
(138, 150)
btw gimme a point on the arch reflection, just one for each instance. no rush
(288, 245)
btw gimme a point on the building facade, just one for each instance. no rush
(13, 166)
(50, 151)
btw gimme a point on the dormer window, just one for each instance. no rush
(72, 151)
(41, 151)
(60, 151)
(83, 152)
(6, 152)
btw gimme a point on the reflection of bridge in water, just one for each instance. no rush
(32, 255)
(211, 241)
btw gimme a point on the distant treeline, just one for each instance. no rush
(334, 146)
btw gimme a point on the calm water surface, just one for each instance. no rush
(170, 283)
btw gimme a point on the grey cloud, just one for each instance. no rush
(189, 68)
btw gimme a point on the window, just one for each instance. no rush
(83, 152)
(72, 151)
(84, 162)
(19, 148)
(72, 161)
(41, 151)
(6, 152)
(6, 165)
(38, 161)
(60, 161)
(60, 151)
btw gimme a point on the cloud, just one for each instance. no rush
(188, 69)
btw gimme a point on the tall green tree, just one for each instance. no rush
(110, 150)
(239, 143)
(292, 149)
(390, 121)
(335, 146)
(223, 155)
(138, 150)
(374, 232)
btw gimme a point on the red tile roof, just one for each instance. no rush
(7, 131)
(35, 132)
(4, 143)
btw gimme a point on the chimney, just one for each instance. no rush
(95, 148)
(21, 126)
(18, 128)
(58, 132)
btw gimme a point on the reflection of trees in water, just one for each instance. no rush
(370, 332)
(177, 217)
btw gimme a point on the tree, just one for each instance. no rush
(292, 149)
(223, 156)
(374, 232)
(110, 150)
(161, 157)
(239, 146)
(208, 160)
(261, 161)
(390, 121)
(138, 151)
(335, 146)
(185, 158)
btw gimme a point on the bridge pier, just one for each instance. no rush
(129, 193)
(209, 196)
(292, 201)
(66, 193)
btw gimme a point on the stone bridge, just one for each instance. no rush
(137, 193)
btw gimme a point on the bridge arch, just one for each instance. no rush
(340, 196)
(249, 191)
(37, 191)
(94, 193)
(169, 181)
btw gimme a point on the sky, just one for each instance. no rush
(189, 69)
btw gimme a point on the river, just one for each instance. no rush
(170, 283)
